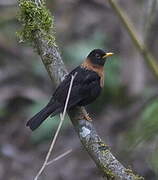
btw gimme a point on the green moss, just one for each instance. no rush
(137, 177)
(108, 173)
(35, 17)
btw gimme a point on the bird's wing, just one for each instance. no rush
(90, 87)
(61, 91)
(83, 83)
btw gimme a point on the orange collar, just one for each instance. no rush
(96, 68)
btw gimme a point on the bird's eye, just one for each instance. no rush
(97, 56)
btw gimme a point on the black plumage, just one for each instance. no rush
(85, 89)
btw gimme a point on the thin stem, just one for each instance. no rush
(62, 116)
(68, 95)
(59, 157)
(148, 57)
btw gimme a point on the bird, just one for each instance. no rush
(87, 85)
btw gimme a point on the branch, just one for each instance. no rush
(150, 16)
(43, 41)
(148, 57)
(150, 24)
(59, 157)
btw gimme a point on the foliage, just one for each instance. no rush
(146, 129)
(150, 121)
(154, 159)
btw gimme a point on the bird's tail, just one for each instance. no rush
(38, 118)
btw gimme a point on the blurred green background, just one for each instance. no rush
(125, 115)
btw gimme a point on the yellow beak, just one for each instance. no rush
(107, 55)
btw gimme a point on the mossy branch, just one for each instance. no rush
(34, 17)
(148, 57)
(43, 40)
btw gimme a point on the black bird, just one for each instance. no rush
(87, 85)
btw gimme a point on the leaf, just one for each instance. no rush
(146, 128)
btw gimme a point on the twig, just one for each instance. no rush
(62, 116)
(148, 57)
(151, 11)
(150, 23)
(68, 95)
(59, 157)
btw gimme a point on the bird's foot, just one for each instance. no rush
(87, 117)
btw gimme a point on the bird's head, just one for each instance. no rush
(98, 56)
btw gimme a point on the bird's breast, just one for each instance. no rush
(95, 68)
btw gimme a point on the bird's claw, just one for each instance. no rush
(87, 117)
